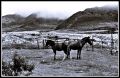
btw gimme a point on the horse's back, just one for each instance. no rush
(74, 45)
(58, 46)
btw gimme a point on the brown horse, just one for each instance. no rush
(57, 47)
(78, 45)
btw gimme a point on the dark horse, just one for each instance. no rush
(57, 47)
(78, 45)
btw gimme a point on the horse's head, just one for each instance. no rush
(49, 42)
(87, 39)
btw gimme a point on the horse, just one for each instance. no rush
(78, 45)
(57, 47)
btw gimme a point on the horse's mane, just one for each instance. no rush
(86, 38)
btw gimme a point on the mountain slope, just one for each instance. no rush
(32, 22)
(13, 19)
(90, 18)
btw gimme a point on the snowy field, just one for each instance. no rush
(34, 37)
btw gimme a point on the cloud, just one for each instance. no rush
(50, 8)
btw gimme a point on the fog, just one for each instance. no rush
(50, 9)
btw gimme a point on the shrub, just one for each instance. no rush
(7, 69)
(16, 67)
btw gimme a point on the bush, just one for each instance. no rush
(16, 67)
(7, 69)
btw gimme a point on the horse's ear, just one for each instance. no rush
(88, 36)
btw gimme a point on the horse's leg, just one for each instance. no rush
(65, 55)
(54, 54)
(77, 54)
(68, 52)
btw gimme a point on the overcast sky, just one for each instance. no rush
(50, 8)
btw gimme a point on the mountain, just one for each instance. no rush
(11, 19)
(16, 22)
(97, 18)
(91, 18)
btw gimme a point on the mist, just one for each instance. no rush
(50, 9)
(46, 14)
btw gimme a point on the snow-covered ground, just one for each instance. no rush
(31, 37)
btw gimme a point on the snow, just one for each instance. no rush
(24, 36)
(25, 32)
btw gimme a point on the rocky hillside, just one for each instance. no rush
(92, 18)
(32, 22)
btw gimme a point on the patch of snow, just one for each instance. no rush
(26, 36)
